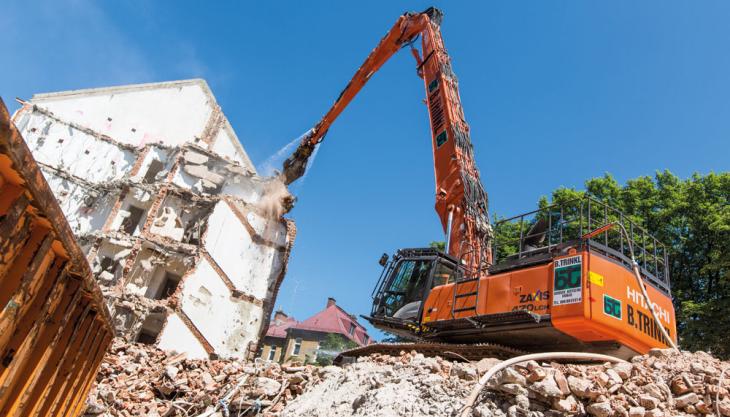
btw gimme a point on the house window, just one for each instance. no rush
(297, 347)
(272, 353)
(352, 329)
(366, 339)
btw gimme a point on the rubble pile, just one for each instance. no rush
(662, 383)
(141, 380)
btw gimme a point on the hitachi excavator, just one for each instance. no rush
(575, 276)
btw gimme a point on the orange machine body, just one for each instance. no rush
(584, 295)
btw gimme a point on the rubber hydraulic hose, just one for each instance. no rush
(637, 275)
(469, 405)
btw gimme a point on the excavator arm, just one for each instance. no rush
(461, 201)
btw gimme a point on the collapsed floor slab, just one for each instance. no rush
(169, 209)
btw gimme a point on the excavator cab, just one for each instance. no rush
(404, 285)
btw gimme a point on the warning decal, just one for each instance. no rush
(568, 286)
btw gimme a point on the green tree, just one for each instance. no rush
(440, 245)
(330, 346)
(692, 217)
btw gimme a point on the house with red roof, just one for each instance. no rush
(289, 340)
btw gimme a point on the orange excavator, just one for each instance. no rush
(574, 276)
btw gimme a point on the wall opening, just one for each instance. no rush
(109, 262)
(182, 221)
(162, 285)
(131, 221)
(156, 274)
(155, 168)
(151, 328)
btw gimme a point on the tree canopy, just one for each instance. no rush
(692, 217)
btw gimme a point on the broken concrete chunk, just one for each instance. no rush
(536, 374)
(623, 369)
(547, 388)
(267, 386)
(122, 254)
(636, 412)
(614, 377)
(582, 388)
(486, 364)
(648, 402)
(684, 400)
(511, 376)
(602, 409)
(514, 389)
(196, 158)
(567, 405)
(171, 372)
(561, 382)
(106, 277)
(201, 171)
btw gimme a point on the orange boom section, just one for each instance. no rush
(461, 201)
(54, 327)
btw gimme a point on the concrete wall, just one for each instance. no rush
(189, 244)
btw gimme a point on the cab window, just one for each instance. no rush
(444, 274)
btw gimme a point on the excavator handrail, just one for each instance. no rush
(652, 254)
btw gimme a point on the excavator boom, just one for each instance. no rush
(461, 201)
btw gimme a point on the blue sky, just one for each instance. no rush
(555, 92)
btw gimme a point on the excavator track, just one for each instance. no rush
(473, 352)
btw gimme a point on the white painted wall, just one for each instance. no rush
(75, 151)
(70, 196)
(172, 113)
(226, 143)
(269, 229)
(250, 266)
(176, 336)
(226, 323)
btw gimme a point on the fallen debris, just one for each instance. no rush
(142, 380)
(662, 383)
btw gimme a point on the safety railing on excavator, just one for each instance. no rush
(551, 228)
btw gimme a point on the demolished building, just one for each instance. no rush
(187, 242)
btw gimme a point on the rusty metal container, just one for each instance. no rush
(54, 326)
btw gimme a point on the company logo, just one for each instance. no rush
(538, 295)
(638, 298)
(611, 307)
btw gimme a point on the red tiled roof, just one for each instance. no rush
(278, 328)
(333, 319)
